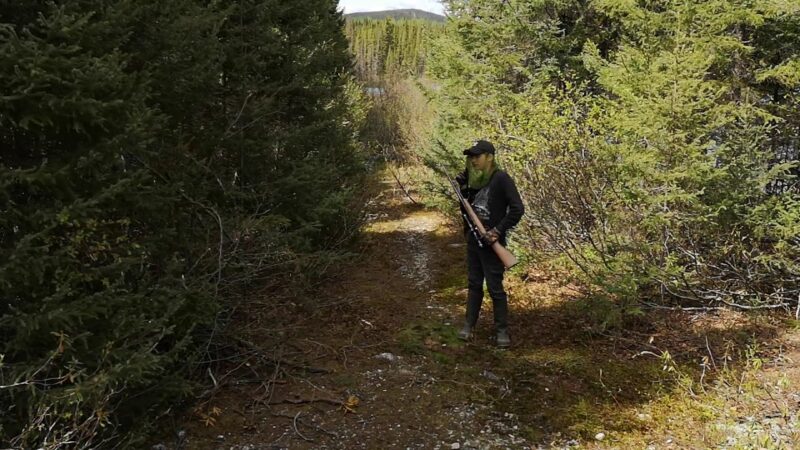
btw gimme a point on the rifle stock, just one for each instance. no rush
(506, 257)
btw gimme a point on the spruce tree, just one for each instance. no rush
(157, 157)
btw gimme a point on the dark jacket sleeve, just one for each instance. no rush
(515, 207)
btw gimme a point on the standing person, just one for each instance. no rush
(494, 197)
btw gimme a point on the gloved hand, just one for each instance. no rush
(461, 178)
(491, 236)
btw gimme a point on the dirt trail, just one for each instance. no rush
(381, 352)
(373, 361)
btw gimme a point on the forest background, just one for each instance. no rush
(162, 162)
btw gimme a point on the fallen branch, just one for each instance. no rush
(273, 360)
(294, 424)
(715, 308)
(301, 401)
(402, 187)
(295, 420)
(683, 308)
(751, 308)
(710, 355)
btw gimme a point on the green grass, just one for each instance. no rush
(427, 337)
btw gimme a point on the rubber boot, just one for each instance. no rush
(503, 340)
(474, 300)
(466, 332)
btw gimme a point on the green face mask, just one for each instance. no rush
(477, 179)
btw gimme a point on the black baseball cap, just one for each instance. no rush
(480, 147)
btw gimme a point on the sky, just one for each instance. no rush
(351, 6)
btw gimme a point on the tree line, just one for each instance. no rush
(655, 143)
(390, 48)
(159, 159)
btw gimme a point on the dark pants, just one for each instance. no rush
(483, 263)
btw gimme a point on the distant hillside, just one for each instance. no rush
(397, 14)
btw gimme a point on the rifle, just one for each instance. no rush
(478, 230)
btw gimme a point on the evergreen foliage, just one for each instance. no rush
(389, 48)
(157, 157)
(655, 142)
